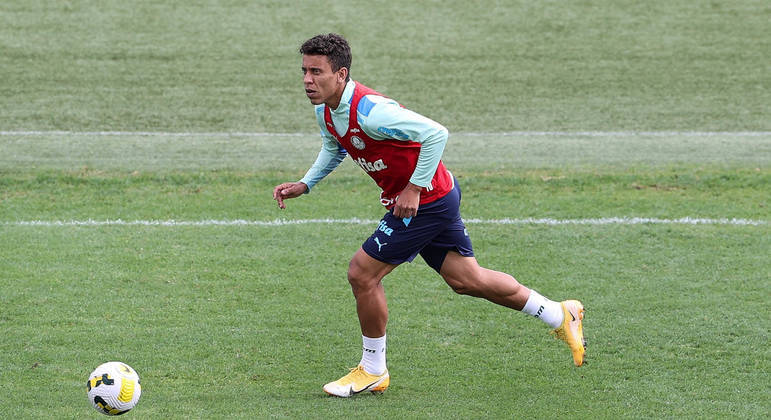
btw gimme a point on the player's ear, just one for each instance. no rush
(342, 74)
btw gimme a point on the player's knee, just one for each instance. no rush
(359, 277)
(466, 283)
(460, 288)
(355, 275)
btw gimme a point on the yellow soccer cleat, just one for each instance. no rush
(358, 380)
(572, 331)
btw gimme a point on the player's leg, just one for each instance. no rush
(365, 275)
(466, 276)
(393, 242)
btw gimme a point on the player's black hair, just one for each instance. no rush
(333, 46)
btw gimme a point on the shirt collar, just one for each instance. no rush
(346, 98)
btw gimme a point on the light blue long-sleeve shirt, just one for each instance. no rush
(380, 118)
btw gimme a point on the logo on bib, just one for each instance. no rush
(357, 143)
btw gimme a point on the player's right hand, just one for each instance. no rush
(288, 190)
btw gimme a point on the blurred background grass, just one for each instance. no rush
(486, 66)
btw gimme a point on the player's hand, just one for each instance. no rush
(407, 202)
(288, 190)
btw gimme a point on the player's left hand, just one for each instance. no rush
(407, 202)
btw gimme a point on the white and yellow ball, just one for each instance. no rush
(113, 388)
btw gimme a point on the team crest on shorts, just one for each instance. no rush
(357, 143)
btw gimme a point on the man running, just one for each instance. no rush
(401, 150)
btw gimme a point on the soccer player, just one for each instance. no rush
(401, 150)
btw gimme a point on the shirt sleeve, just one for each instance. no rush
(330, 156)
(382, 118)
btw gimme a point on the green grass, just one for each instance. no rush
(250, 321)
(264, 315)
(226, 195)
(234, 66)
(209, 314)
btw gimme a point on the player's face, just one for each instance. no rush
(322, 85)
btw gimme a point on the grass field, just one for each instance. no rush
(140, 141)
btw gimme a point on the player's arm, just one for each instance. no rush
(386, 119)
(330, 156)
(328, 159)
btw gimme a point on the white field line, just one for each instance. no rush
(468, 134)
(356, 221)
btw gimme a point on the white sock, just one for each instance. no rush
(544, 309)
(373, 355)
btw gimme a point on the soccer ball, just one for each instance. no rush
(113, 388)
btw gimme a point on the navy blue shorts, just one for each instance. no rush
(435, 230)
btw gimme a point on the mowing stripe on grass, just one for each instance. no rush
(472, 134)
(357, 221)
